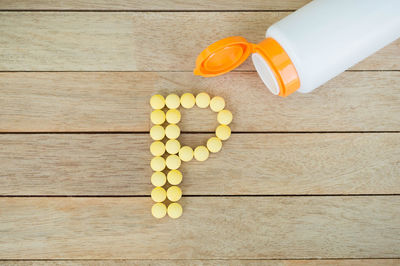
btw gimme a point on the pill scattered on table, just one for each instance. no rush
(157, 148)
(188, 100)
(223, 132)
(158, 179)
(201, 153)
(159, 210)
(214, 144)
(174, 193)
(174, 177)
(158, 194)
(173, 162)
(174, 210)
(173, 116)
(224, 117)
(203, 100)
(157, 163)
(186, 153)
(172, 101)
(157, 101)
(217, 104)
(172, 131)
(172, 146)
(157, 132)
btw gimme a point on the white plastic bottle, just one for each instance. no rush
(311, 46)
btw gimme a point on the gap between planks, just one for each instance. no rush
(203, 196)
(143, 6)
(211, 262)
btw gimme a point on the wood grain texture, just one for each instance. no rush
(217, 228)
(138, 41)
(119, 101)
(86, 164)
(208, 5)
(248, 262)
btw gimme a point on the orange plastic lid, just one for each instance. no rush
(227, 54)
(223, 56)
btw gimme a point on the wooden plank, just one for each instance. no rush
(256, 164)
(210, 228)
(153, 5)
(250, 262)
(119, 101)
(138, 41)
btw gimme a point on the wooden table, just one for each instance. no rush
(309, 177)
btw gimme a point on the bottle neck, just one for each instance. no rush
(275, 68)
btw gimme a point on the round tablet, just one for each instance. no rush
(173, 161)
(159, 210)
(201, 153)
(157, 148)
(172, 146)
(172, 131)
(158, 194)
(224, 117)
(223, 132)
(173, 116)
(186, 153)
(157, 117)
(217, 104)
(174, 177)
(214, 144)
(172, 101)
(174, 210)
(157, 163)
(174, 193)
(158, 179)
(203, 100)
(157, 101)
(188, 100)
(157, 132)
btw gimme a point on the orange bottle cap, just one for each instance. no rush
(227, 54)
(222, 56)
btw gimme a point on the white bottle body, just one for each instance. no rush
(326, 37)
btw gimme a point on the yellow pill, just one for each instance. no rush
(157, 163)
(174, 193)
(173, 116)
(214, 144)
(186, 153)
(157, 132)
(172, 101)
(217, 104)
(173, 161)
(224, 117)
(203, 100)
(158, 194)
(174, 210)
(223, 132)
(157, 101)
(174, 177)
(159, 210)
(201, 153)
(172, 146)
(158, 179)
(157, 117)
(172, 131)
(157, 148)
(188, 100)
